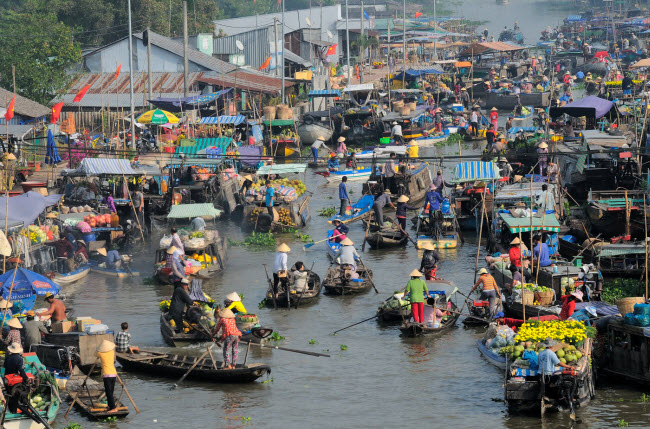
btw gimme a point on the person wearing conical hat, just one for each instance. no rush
(494, 117)
(400, 211)
(430, 260)
(106, 354)
(490, 291)
(515, 252)
(233, 303)
(341, 148)
(280, 269)
(505, 169)
(180, 300)
(174, 262)
(416, 289)
(230, 336)
(542, 157)
(340, 231)
(33, 330)
(347, 254)
(13, 336)
(14, 362)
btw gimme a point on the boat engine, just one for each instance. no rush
(18, 392)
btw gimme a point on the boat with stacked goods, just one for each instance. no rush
(397, 309)
(410, 179)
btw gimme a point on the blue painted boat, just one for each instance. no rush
(333, 247)
(114, 272)
(72, 276)
(358, 174)
(359, 210)
(495, 359)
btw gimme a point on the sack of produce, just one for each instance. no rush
(630, 319)
(642, 309)
(165, 241)
(642, 319)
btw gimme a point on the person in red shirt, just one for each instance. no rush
(230, 336)
(515, 252)
(569, 304)
(494, 117)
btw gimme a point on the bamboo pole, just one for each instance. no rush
(480, 235)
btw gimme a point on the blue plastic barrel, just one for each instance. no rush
(446, 206)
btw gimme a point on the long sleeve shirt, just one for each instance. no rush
(343, 192)
(347, 255)
(433, 199)
(180, 299)
(389, 168)
(382, 200)
(430, 259)
(401, 209)
(280, 262)
(176, 242)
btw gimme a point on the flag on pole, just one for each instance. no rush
(56, 112)
(10, 109)
(80, 94)
(365, 14)
(117, 71)
(418, 14)
(331, 50)
(265, 64)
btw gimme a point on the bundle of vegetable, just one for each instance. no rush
(568, 331)
(197, 234)
(532, 287)
(296, 184)
(36, 234)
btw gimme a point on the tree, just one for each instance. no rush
(42, 50)
(364, 42)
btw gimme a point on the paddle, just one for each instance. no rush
(92, 368)
(286, 349)
(191, 368)
(275, 303)
(303, 291)
(403, 232)
(369, 275)
(365, 237)
(135, 407)
(308, 245)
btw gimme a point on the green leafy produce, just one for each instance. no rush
(313, 341)
(344, 347)
(262, 304)
(305, 238)
(619, 288)
(276, 337)
(327, 211)
(260, 239)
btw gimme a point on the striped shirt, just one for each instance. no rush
(12, 337)
(488, 282)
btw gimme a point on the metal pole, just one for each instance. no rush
(275, 29)
(435, 29)
(186, 47)
(347, 38)
(404, 47)
(283, 48)
(150, 95)
(131, 80)
(362, 49)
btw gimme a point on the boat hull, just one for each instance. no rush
(509, 102)
(73, 276)
(495, 359)
(309, 133)
(445, 242)
(352, 175)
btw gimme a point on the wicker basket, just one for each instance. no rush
(269, 112)
(397, 105)
(544, 298)
(404, 110)
(626, 305)
(527, 297)
(412, 106)
(284, 113)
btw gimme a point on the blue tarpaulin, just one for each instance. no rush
(25, 208)
(475, 170)
(412, 74)
(324, 93)
(574, 18)
(26, 286)
(232, 120)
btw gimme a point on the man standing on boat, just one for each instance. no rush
(379, 204)
(473, 121)
(280, 267)
(389, 173)
(180, 299)
(396, 133)
(416, 288)
(56, 310)
(433, 199)
(343, 196)
(319, 143)
(429, 263)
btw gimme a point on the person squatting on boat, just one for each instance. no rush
(430, 260)
(340, 231)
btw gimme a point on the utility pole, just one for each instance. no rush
(283, 48)
(362, 50)
(149, 63)
(186, 48)
(347, 38)
(404, 47)
(275, 29)
(435, 29)
(131, 80)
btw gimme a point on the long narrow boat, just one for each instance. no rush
(176, 365)
(113, 272)
(494, 358)
(360, 210)
(395, 308)
(449, 234)
(308, 296)
(333, 248)
(338, 283)
(386, 237)
(72, 276)
(92, 403)
(413, 329)
(352, 175)
(180, 339)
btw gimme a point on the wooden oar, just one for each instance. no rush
(191, 368)
(128, 395)
(308, 245)
(403, 232)
(369, 275)
(92, 368)
(286, 349)
(365, 237)
(275, 303)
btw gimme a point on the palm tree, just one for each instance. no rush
(365, 42)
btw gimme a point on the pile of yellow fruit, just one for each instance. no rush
(568, 331)
(285, 217)
(296, 184)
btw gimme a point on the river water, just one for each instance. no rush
(380, 380)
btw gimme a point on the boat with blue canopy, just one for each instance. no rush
(359, 210)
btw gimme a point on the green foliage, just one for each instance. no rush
(73, 426)
(305, 238)
(261, 239)
(619, 288)
(622, 423)
(276, 337)
(313, 341)
(262, 304)
(327, 211)
(344, 347)
(110, 419)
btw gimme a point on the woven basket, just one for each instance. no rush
(397, 105)
(412, 106)
(405, 110)
(626, 305)
(544, 298)
(284, 113)
(269, 113)
(527, 297)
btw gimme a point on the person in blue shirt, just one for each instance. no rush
(434, 199)
(270, 192)
(113, 259)
(343, 196)
(333, 163)
(547, 359)
(541, 253)
(340, 231)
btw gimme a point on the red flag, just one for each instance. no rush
(418, 14)
(80, 94)
(117, 71)
(331, 50)
(56, 112)
(10, 109)
(265, 64)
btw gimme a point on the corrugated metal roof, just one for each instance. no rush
(23, 106)
(256, 46)
(359, 87)
(18, 130)
(290, 56)
(255, 82)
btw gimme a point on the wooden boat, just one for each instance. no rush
(479, 313)
(308, 296)
(386, 237)
(504, 101)
(494, 358)
(413, 329)
(449, 231)
(352, 175)
(360, 210)
(176, 365)
(180, 339)
(113, 272)
(92, 403)
(413, 182)
(72, 276)
(614, 356)
(85, 345)
(309, 130)
(337, 283)
(395, 309)
(524, 393)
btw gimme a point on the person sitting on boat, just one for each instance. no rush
(568, 130)
(433, 200)
(505, 169)
(490, 291)
(300, 277)
(347, 254)
(180, 299)
(234, 304)
(416, 289)
(569, 304)
(341, 148)
(108, 200)
(340, 231)
(81, 255)
(113, 259)
(56, 310)
(316, 145)
(280, 267)
(123, 340)
(333, 163)
(230, 336)
(548, 360)
(198, 224)
(14, 363)
(400, 211)
(432, 316)
(516, 277)
(541, 253)
(430, 260)
(379, 204)
(351, 161)
(13, 336)
(396, 133)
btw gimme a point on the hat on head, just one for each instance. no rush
(577, 295)
(515, 241)
(341, 139)
(427, 246)
(14, 323)
(30, 313)
(15, 348)
(499, 315)
(5, 304)
(170, 251)
(49, 295)
(543, 145)
(463, 89)
(494, 109)
(248, 177)
(540, 58)
(482, 271)
(81, 242)
(283, 248)
(402, 199)
(387, 191)
(336, 220)
(503, 159)
(551, 344)
(11, 157)
(394, 123)
(51, 216)
(415, 273)
(101, 251)
(105, 346)
(321, 137)
(347, 242)
(234, 297)
(226, 313)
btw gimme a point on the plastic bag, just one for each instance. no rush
(642, 319)
(630, 319)
(642, 309)
(165, 241)
(196, 243)
(531, 357)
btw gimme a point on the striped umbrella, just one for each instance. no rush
(52, 155)
(158, 117)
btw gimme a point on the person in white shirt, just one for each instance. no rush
(473, 121)
(546, 201)
(319, 143)
(396, 133)
(280, 267)
(347, 254)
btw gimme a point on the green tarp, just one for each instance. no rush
(201, 144)
(621, 250)
(280, 122)
(190, 211)
(523, 224)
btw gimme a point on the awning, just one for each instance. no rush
(282, 169)
(412, 74)
(25, 208)
(574, 18)
(232, 120)
(189, 211)
(201, 144)
(611, 250)
(479, 48)
(475, 170)
(198, 162)
(279, 122)
(188, 103)
(103, 166)
(462, 64)
(641, 63)
(523, 224)
(324, 93)
(591, 106)
(359, 87)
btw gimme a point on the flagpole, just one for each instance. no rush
(283, 48)
(347, 38)
(131, 78)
